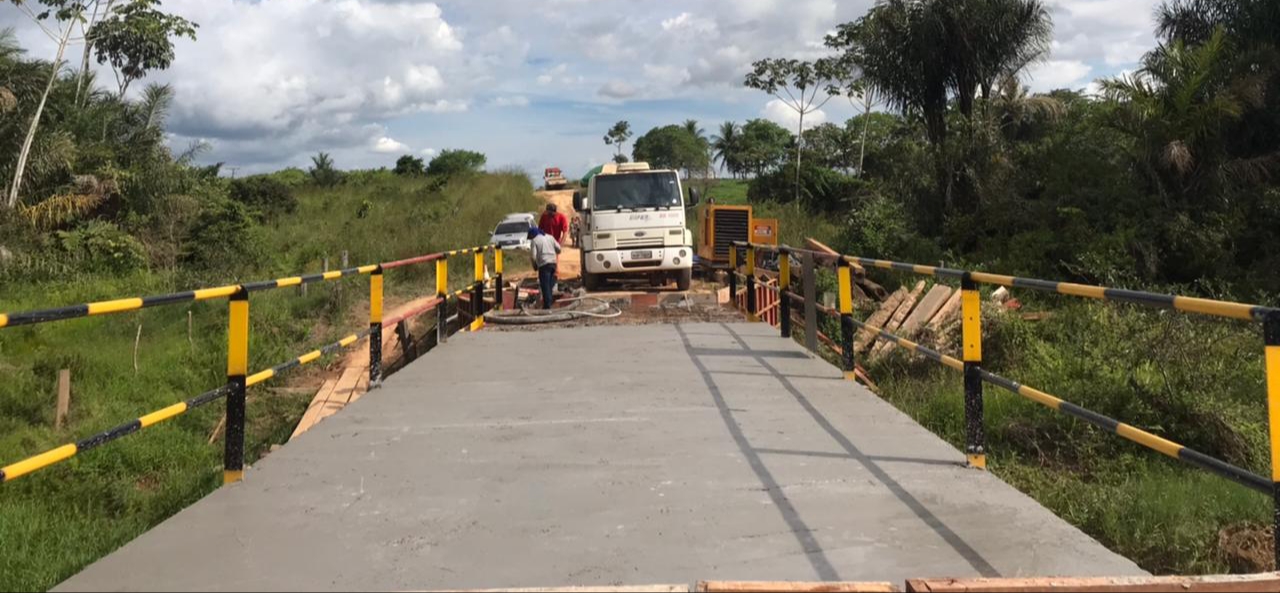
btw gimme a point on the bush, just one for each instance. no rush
(103, 246)
(452, 162)
(264, 195)
(224, 238)
(292, 177)
(410, 166)
(821, 189)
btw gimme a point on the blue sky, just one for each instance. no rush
(531, 83)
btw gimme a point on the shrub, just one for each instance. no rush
(821, 189)
(323, 172)
(102, 246)
(410, 166)
(264, 195)
(452, 162)
(224, 237)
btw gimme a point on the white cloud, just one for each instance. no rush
(779, 113)
(511, 101)
(428, 152)
(617, 89)
(1058, 74)
(385, 145)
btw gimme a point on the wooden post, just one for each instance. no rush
(64, 398)
(810, 304)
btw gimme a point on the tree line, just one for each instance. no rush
(1167, 175)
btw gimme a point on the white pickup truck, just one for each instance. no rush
(633, 225)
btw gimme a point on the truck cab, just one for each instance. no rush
(633, 225)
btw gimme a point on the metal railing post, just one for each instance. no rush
(844, 279)
(237, 371)
(751, 284)
(375, 328)
(1271, 331)
(477, 299)
(442, 291)
(497, 273)
(784, 286)
(971, 314)
(733, 275)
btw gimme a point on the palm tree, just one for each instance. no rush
(727, 147)
(1178, 109)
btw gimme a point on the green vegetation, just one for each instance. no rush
(1190, 380)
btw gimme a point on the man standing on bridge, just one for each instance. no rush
(554, 223)
(545, 252)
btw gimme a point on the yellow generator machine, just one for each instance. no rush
(720, 226)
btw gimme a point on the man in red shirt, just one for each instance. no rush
(554, 223)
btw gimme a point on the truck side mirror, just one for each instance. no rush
(694, 197)
(577, 201)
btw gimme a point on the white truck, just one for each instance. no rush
(633, 225)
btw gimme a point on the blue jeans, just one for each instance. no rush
(547, 282)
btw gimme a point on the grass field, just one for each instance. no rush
(56, 521)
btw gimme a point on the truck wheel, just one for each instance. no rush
(684, 279)
(591, 282)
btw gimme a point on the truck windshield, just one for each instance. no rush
(511, 228)
(636, 190)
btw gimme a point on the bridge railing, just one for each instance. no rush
(238, 377)
(970, 363)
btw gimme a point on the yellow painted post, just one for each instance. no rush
(751, 284)
(237, 370)
(375, 328)
(442, 292)
(971, 327)
(1271, 330)
(844, 280)
(477, 304)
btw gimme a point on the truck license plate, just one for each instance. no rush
(641, 255)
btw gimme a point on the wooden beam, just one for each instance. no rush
(793, 587)
(64, 398)
(1204, 584)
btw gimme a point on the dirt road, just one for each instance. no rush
(570, 258)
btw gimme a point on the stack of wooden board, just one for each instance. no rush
(334, 395)
(908, 313)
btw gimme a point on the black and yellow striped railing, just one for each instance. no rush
(238, 377)
(975, 376)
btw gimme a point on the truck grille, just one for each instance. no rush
(638, 242)
(730, 226)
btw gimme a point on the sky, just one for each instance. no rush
(530, 83)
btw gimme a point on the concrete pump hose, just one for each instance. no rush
(601, 310)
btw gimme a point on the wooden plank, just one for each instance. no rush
(948, 312)
(341, 394)
(1203, 584)
(924, 311)
(312, 415)
(900, 315)
(867, 336)
(793, 587)
(64, 398)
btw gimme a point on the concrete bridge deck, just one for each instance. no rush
(641, 455)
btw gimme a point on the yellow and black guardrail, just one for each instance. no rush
(975, 376)
(238, 377)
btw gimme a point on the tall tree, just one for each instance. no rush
(64, 16)
(136, 38)
(671, 147)
(618, 136)
(798, 85)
